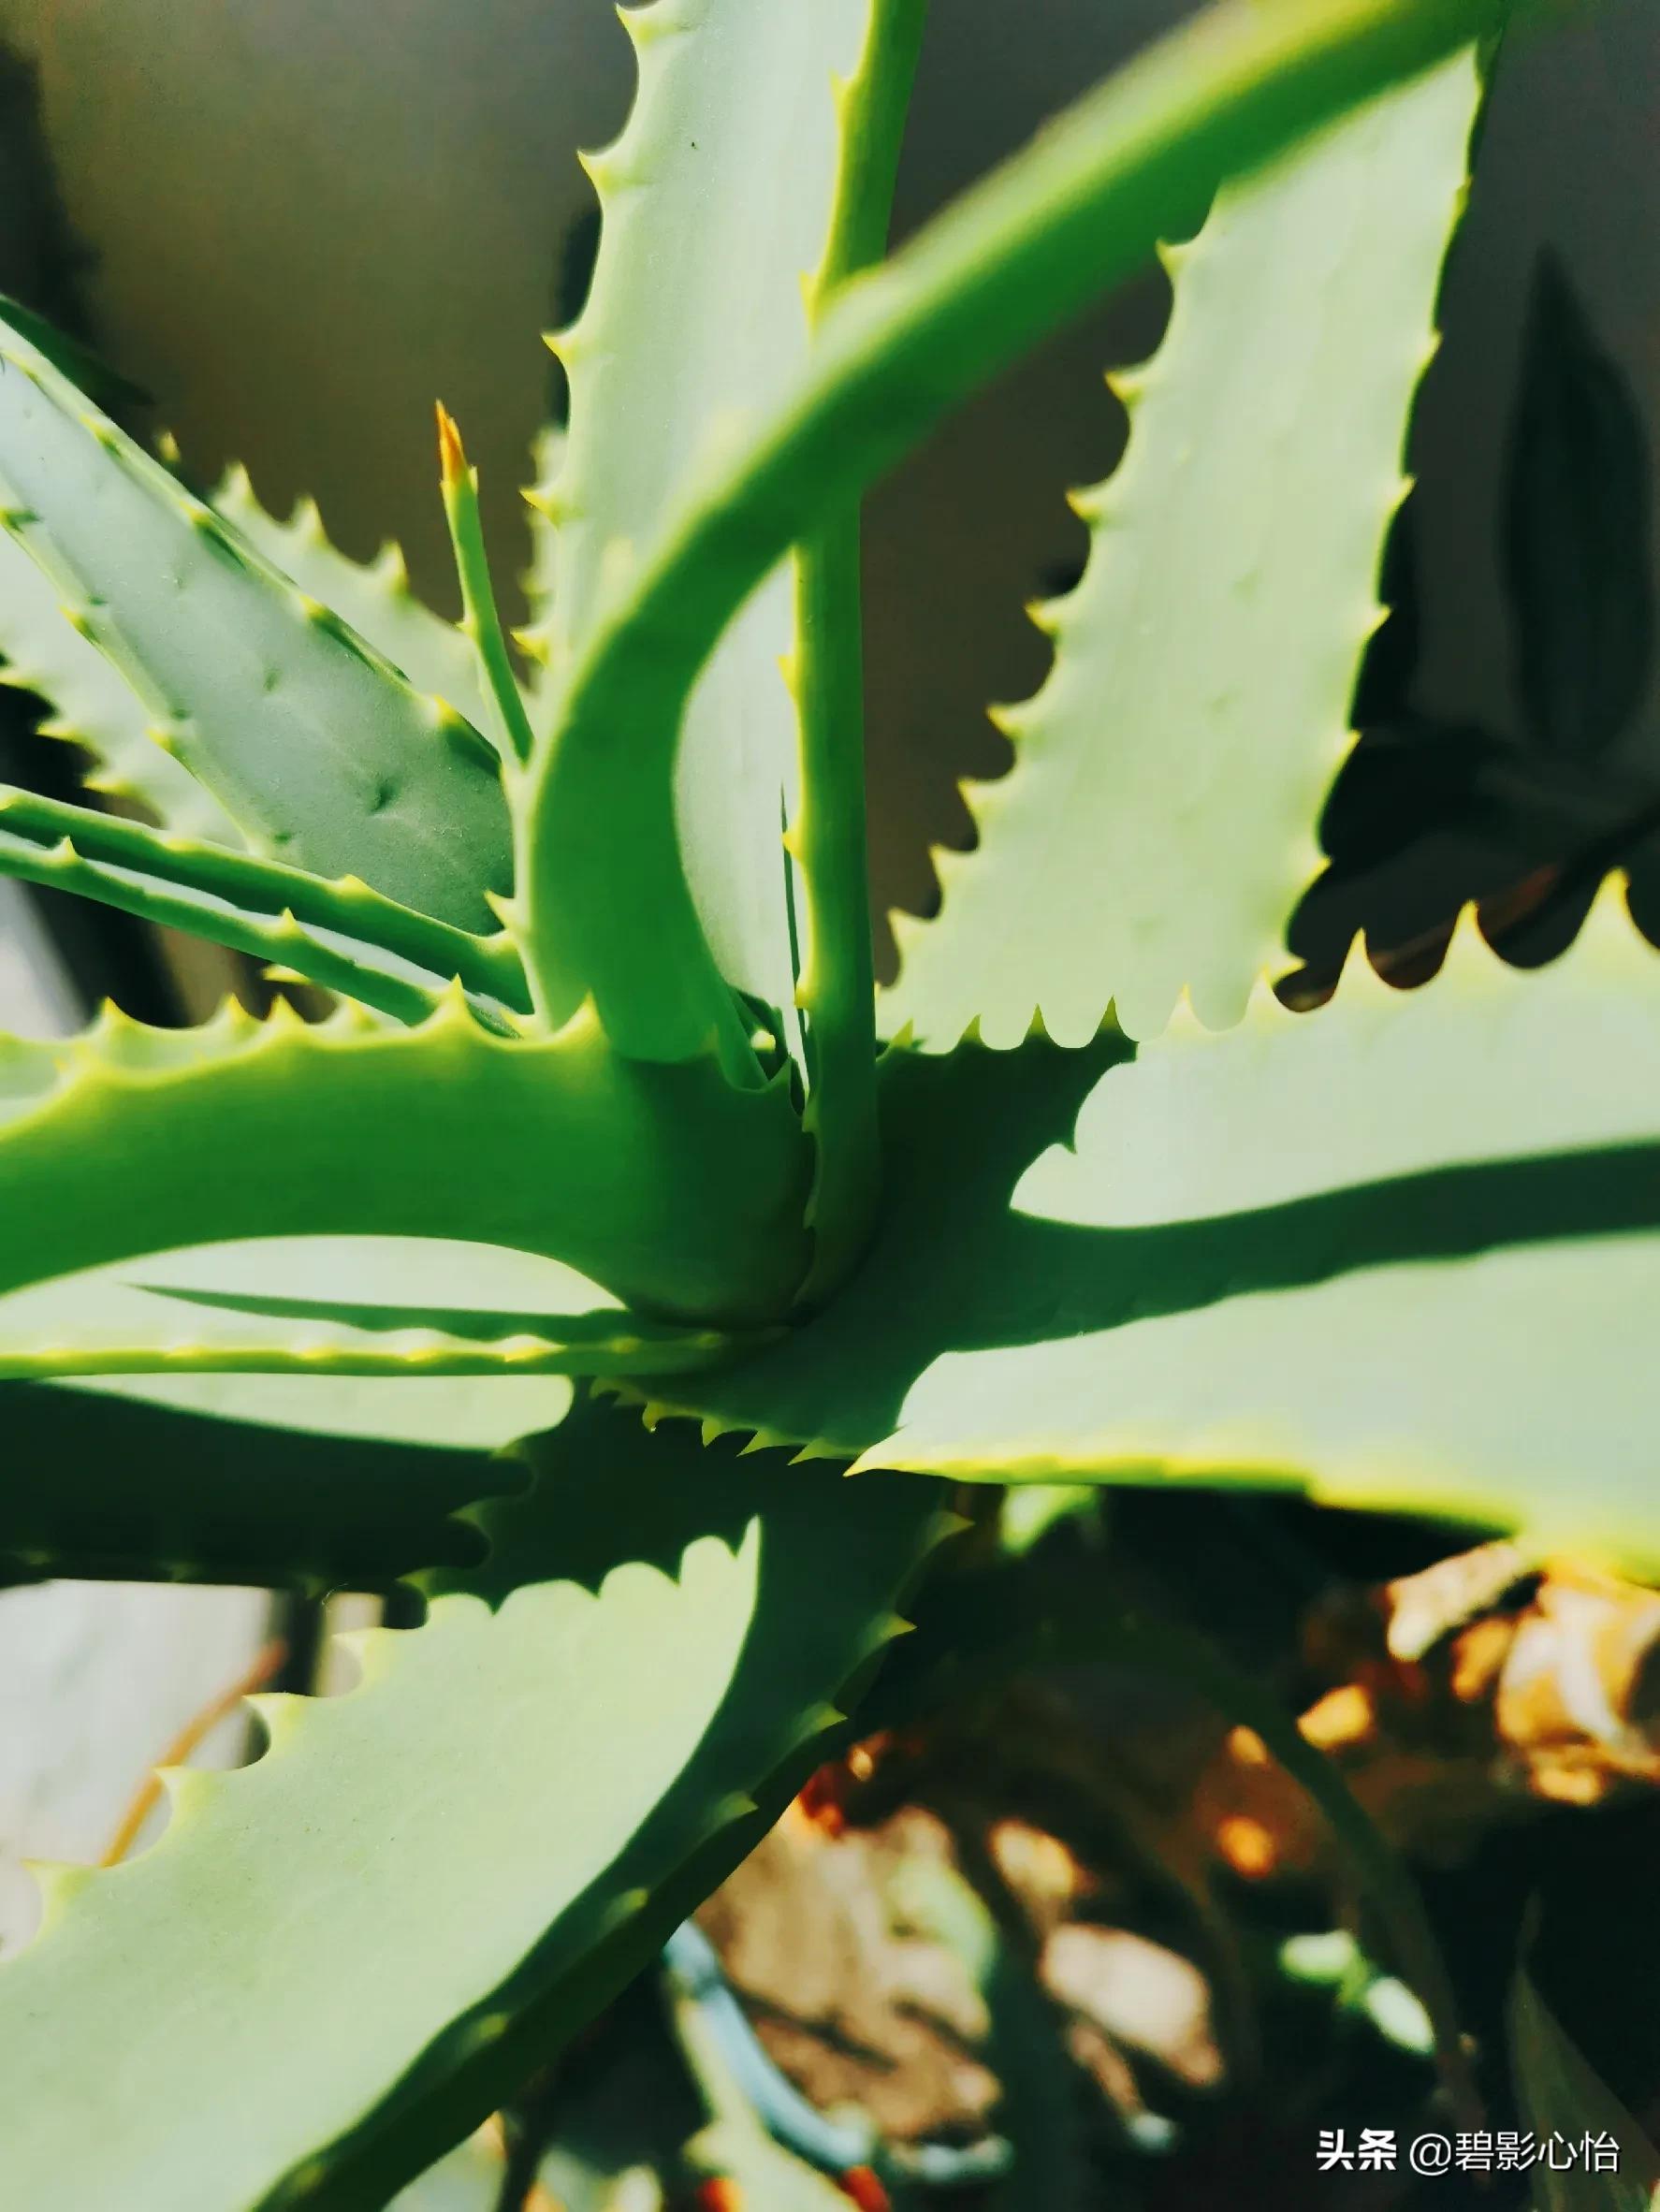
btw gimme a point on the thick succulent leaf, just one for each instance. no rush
(285, 946)
(102, 1483)
(481, 1842)
(313, 1480)
(1400, 1252)
(317, 746)
(93, 706)
(124, 1329)
(1601, 2159)
(836, 984)
(337, 933)
(702, 267)
(536, 640)
(1134, 160)
(662, 1183)
(1157, 827)
(372, 596)
(84, 368)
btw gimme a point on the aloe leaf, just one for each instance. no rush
(662, 1183)
(1565, 2101)
(42, 652)
(84, 368)
(827, 837)
(93, 707)
(485, 1839)
(508, 718)
(256, 906)
(314, 745)
(697, 269)
(1216, 1260)
(374, 596)
(159, 1330)
(560, 1344)
(1014, 258)
(101, 1482)
(1157, 827)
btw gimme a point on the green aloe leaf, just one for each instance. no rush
(1157, 827)
(481, 1842)
(84, 368)
(93, 706)
(314, 745)
(239, 1490)
(898, 347)
(836, 984)
(372, 596)
(1398, 1252)
(663, 1185)
(695, 319)
(231, 895)
(340, 935)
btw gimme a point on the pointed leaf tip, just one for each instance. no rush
(452, 457)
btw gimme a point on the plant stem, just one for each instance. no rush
(838, 987)
(480, 619)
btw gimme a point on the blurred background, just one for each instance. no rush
(295, 223)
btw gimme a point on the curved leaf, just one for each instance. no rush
(1157, 827)
(481, 1842)
(836, 986)
(315, 746)
(1401, 1252)
(699, 270)
(675, 1192)
(1007, 263)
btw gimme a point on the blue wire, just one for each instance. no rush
(831, 2146)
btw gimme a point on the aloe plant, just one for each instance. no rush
(612, 1218)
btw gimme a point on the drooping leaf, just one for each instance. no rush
(1009, 262)
(1399, 1252)
(478, 1845)
(315, 746)
(1576, 542)
(1157, 825)
(663, 1183)
(699, 270)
